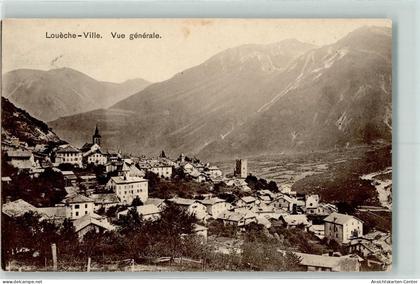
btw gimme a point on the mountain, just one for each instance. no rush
(18, 123)
(257, 99)
(192, 108)
(340, 96)
(48, 95)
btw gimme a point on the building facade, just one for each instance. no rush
(342, 228)
(78, 206)
(68, 155)
(162, 171)
(21, 159)
(127, 188)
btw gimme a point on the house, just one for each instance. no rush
(267, 211)
(20, 159)
(79, 205)
(239, 219)
(88, 179)
(248, 202)
(113, 156)
(235, 182)
(293, 221)
(318, 263)
(201, 232)
(317, 230)
(136, 172)
(160, 203)
(200, 178)
(95, 157)
(91, 222)
(17, 208)
(285, 202)
(342, 228)
(127, 188)
(69, 178)
(375, 248)
(188, 168)
(287, 190)
(262, 220)
(323, 210)
(264, 199)
(192, 206)
(311, 203)
(6, 180)
(213, 172)
(267, 193)
(104, 200)
(149, 212)
(161, 170)
(199, 167)
(57, 214)
(216, 206)
(36, 172)
(67, 154)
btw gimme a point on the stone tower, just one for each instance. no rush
(241, 169)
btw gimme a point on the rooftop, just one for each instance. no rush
(104, 198)
(333, 262)
(17, 208)
(338, 218)
(54, 212)
(295, 219)
(144, 210)
(155, 201)
(148, 209)
(248, 199)
(122, 180)
(212, 201)
(88, 219)
(78, 198)
(19, 154)
(182, 201)
(68, 149)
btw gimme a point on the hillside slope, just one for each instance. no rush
(48, 95)
(18, 123)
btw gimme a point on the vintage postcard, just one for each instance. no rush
(196, 145)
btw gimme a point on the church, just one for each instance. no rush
(92, 152)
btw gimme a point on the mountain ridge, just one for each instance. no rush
(228, 104)
(63, 91)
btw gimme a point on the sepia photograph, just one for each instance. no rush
(166, 145)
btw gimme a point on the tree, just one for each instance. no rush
(266, 257)
(131, 222)
(46, 190)
(345, 208)
(272, 186)
(66, 167)
(27, 233)
(137, 202)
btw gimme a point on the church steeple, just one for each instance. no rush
(96, 138)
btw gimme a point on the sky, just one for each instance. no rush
(184, 43)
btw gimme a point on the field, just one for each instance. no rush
(335, 175)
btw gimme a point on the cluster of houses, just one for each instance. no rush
(128, 183)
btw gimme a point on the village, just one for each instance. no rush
(105, 190)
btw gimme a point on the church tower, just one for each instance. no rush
(96, 138)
